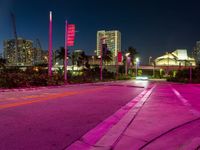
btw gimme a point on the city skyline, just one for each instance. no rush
(151, 27)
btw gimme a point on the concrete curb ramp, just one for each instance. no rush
(107, 134)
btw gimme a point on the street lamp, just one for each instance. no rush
(101, 60)
(136, 65)
(92, 60)
(190, 72)
(150, 60)
(126, 67)
(154, 64)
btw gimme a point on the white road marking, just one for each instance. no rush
(185, 102)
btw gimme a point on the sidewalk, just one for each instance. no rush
(161, 119)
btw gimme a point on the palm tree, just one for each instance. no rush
(81, 59)
(107, 54)
(2, 63)
(73, 56)
(60, 54)
(132, 53)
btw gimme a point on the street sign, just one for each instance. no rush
(70, 34)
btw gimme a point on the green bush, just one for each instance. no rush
(31, 77)
(184, 76)
(22, 79)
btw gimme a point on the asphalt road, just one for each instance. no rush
(53, 118)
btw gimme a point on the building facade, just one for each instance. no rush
(112, 39)
(44, 56)
(196, 52)
(178, 57)
(24, 56)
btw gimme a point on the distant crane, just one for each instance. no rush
(15, 36)
(38, 53)
(38, 44)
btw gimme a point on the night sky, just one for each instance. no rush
(152, 27)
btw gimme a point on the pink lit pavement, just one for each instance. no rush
(123, 115)
(165, 116)
(52, 118)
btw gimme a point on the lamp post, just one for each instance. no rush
(101, 55)
(150, 60)
(92, 60)
(168, 64)
(190, 72)
(126, 66)
(154, 69)
(116, 63)
(136, 65)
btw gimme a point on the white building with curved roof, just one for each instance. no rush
(178, 57)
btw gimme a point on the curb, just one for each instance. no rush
(107, 133)
(56, 86)
(29, 89)
(40, 87)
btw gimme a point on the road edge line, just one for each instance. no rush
(185, 102)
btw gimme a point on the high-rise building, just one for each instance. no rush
(25, 52)
(112, 39)
(196, 52)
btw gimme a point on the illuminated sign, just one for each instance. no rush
(70, 34)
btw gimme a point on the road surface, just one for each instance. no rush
(166, 117)
(53, 118)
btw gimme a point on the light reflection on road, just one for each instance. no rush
(143, 83)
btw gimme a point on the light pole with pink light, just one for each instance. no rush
(50, 46)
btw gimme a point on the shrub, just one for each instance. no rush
(184, 76)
